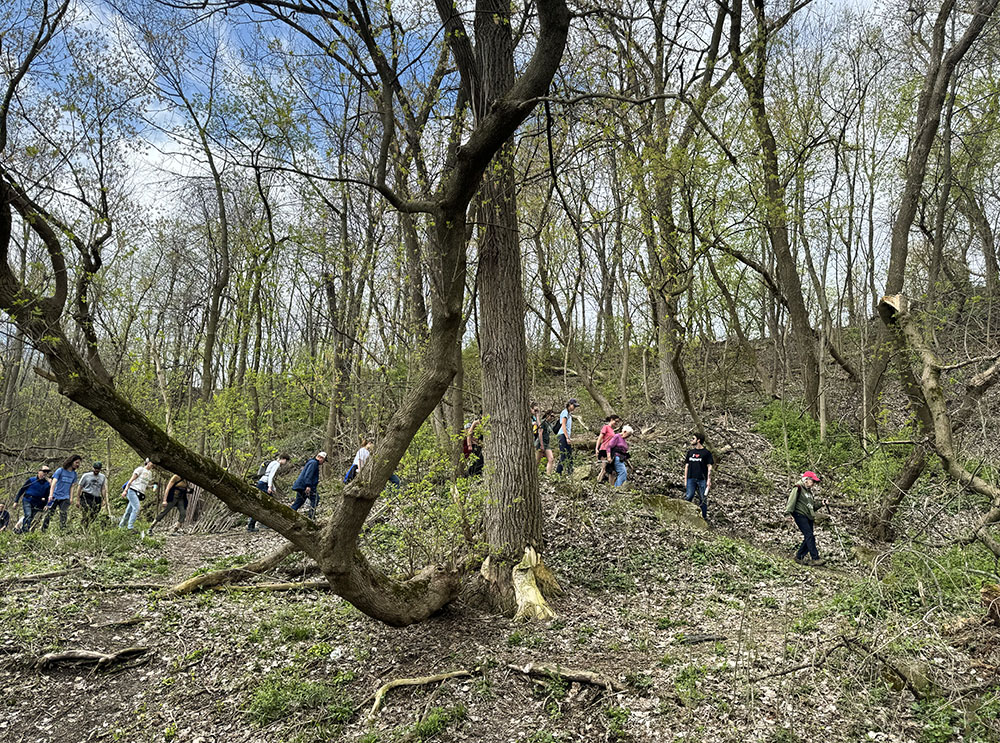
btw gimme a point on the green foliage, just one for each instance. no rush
(687, 684)
(794, 435)
(617, 718)
(939, 720)
(282, 693)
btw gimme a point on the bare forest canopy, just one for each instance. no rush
(230, 228)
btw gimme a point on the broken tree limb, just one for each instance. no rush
(312, 585)
(548, 670)
(418, 681)
(37, 577)
(88, 658)
(219, 577)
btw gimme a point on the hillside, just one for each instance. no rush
(697, 635)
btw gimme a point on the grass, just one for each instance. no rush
(282, 693)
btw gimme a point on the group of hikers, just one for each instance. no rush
(48, 492)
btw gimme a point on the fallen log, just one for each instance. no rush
(548, 670)
(37, 577)
(88, 658)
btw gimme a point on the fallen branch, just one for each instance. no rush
(547, 670)
(37, 577)
(313, 585)
(88, 658)
(816, 663)
(419, 681)
(219, 577)
(695, 639)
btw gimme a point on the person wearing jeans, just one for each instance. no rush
(802, 508)
(33, 495)
(266, 483)
(618, 451)
(698, 473)
(566, 438)
(61, 491)
(135, 491)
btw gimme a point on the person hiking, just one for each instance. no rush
(566, 437)
(601, 447)
(543, 442)
(33, 495)
(617, 449)
(306, 483)
(698, 472)
(135, 491)
(175, 495)
(61, 491)
(265, 483)
(801, 507)
(4, 517)
(473, 448)
(361, 458)
(92, 492)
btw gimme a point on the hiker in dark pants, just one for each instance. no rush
(566, 438)
(93, 491)
(306, 483)
(802, 508)
(698, 464)
(33, 495)
(61, 491)
(266, 483)
(175, 495)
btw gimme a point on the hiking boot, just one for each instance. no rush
(818, 561)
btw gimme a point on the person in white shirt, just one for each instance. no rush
(266, 483)
(361, 458)
(135, 491)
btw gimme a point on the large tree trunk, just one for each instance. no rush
(513, 514)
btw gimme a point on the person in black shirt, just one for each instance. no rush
(4, 517)
(698, 472)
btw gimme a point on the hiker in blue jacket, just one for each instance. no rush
(33, 495)
(306, 483)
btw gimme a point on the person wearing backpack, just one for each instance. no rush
(801, 507)
(361, 458)
(602, 447)
(265, 481)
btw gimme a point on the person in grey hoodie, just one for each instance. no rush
(801, 507)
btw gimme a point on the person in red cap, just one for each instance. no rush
(802, 508)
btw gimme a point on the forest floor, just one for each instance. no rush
(704, 635)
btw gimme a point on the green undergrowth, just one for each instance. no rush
(795, 436)
(911, 584)
(283, 693)
(112, 553)
(434, 725)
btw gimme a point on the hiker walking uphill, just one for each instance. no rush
(698, 472)
(566, 438)
(306, 483)
(93, 491)
(265, 483)
(33, 495)
(618, 454)
(135, 491)
(801, 507)
(61, 491)
(601, 447)
(543, 441)
(175, 495)
(361, 459)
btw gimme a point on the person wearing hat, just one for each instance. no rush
(93, 490)
(566, 437)
(306, 483)
(802, 508)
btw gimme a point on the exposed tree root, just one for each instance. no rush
(547, 670)
(88, 658)
(531, 603)
(219, 577)
(419, 681)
